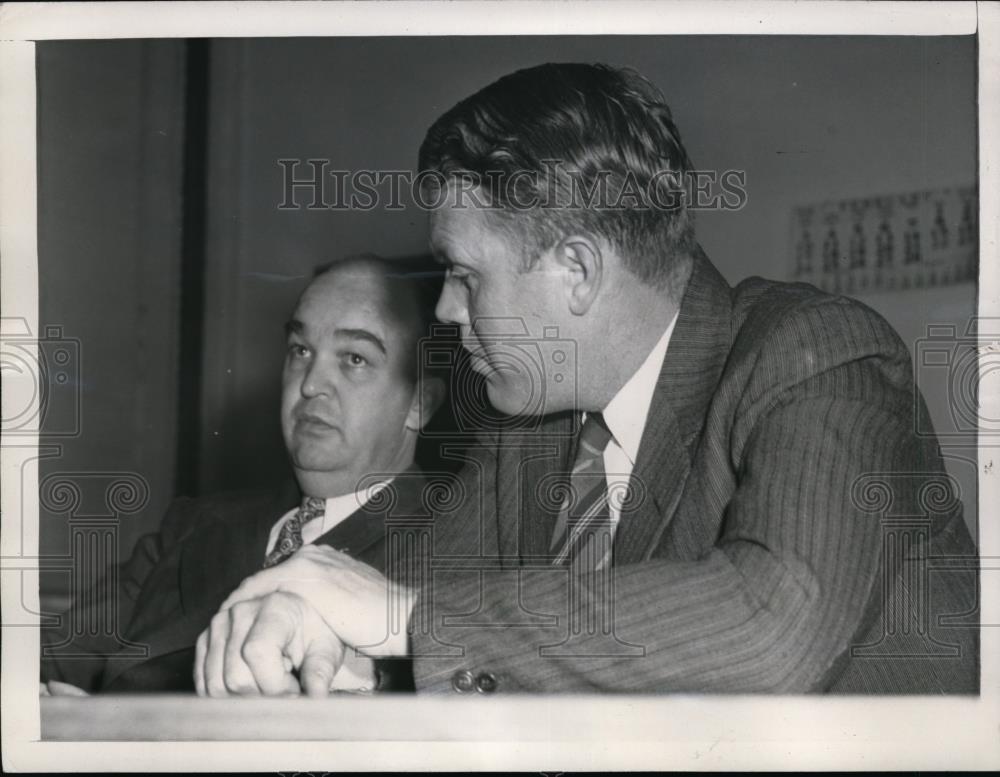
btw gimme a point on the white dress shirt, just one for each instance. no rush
(625, 417)
(338, 508)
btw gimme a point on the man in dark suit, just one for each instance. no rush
(352, 407)
(722, 489)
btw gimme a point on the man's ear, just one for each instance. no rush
(426, 401)
(582, 259)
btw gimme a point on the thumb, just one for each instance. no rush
(322, 659)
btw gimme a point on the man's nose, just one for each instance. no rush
(320, 379)
(451, 307)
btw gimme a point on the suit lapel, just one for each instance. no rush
(357, 533)
(229, 550)
(363, 533)
(695, 357)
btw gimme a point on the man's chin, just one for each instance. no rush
(308, 458)
(509, 401)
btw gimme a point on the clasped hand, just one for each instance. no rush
(304, 616)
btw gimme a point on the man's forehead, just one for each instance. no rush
(347, 288)
(346, 299)
(442, 225)
(458, 231)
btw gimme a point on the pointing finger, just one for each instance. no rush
(322, 660)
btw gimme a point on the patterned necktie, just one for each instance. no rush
(290, 535)
(584, 530)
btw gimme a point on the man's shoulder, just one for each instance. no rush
(781, 316)
(188, 514)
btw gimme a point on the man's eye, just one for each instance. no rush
(297, 351)
(356, 360)
(459, 277)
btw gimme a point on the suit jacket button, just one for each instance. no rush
(463, 681)
(486, 682)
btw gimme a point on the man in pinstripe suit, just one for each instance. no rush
(764, 516)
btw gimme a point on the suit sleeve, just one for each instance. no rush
(77, 649)
(786, 585)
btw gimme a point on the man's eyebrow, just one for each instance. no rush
(293, 326)
(440, 255)
(363, 334)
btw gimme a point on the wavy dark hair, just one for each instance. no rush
(551, 134)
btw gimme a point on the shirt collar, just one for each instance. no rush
(626, 413)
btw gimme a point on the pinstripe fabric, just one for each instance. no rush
(755, 555)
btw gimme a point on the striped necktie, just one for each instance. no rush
(290, 536)
(584, 531)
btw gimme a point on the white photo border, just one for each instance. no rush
(682, 732)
